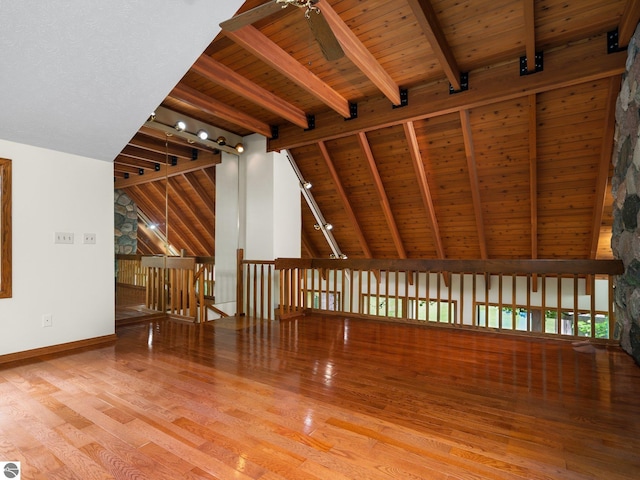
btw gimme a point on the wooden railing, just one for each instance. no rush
(571, 298)
(255, 287)
(178, 286)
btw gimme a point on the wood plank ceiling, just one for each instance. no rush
(503, 149)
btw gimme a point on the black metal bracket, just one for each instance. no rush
(539, 64)
(311, 123)
(194, 154)
(275, 132)
(464, 84)
(126, 175)
(156, 167)
(353, 111)
(141, 171)
(174, 160)
(613, 44)
(404, 98)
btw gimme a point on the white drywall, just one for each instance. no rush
(58, 192)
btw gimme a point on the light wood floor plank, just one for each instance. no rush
(322, 398)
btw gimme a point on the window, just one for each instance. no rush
(5, 228)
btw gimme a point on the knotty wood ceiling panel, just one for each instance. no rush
(504, 176)
(484, 37)
(445, 165)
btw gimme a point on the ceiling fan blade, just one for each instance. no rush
(329, 45)
(251, 16)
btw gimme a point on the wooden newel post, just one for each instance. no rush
(240, 282)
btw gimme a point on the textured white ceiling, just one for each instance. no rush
(81, 76)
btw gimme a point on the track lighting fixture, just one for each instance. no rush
(307, 185)
(221, 141)
(202, 134)
(343, 256)
(180, 126)
(316, 226)
(328, 226)
(239, 148)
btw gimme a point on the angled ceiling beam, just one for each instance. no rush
(345, 201)
(428, 21)
(172, 139)
(134, 162)
(161, 146)
(155, 213)
(199, 190)
(359, 55)
(575, 64)
(473, 178)
(533, 174)
(606, 152)
(222, 75)
(628, 22)
(306, 244)
(382, 195)
(167, 171)
(530, 35)
(218, 109)
(176, 226)
(425, 192)
(252, 40)
(207, 244)
(194, 209)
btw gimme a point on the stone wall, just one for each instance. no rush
(125, 223)
(625, 241)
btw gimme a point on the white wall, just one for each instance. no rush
(227, 231)
(258, 208)
(58, 192)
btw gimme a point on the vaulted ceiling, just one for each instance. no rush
(444, 129)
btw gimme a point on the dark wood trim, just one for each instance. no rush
(6, 273)
(548, 266)
(55, 349)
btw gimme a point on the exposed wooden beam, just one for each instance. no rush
(345, 200)
(425, 191)
(306, 244)
(359, 55)
(172, 139)
(199, 190)
(382, 195)
(161, 146)
(533, 181)
(575, 64)
(252, 40)
(628, 22)
(212, 106)
(155, 212)
(473, 180)
(134, 162)
(207, 244)
(167, 171)
(530, 34)
(145, 155)
(606, 151)
(428, 21)
(178, 228)
(222, 75)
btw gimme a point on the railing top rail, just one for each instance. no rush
(259, 262)
(516, 266)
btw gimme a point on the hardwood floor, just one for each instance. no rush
(322, 398)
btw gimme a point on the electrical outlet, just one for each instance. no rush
(90, 238)
(47, 320)
(64, 237)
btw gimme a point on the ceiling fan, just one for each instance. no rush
(321, 30)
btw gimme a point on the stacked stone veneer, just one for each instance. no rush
(625, 240)
(126, 223)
